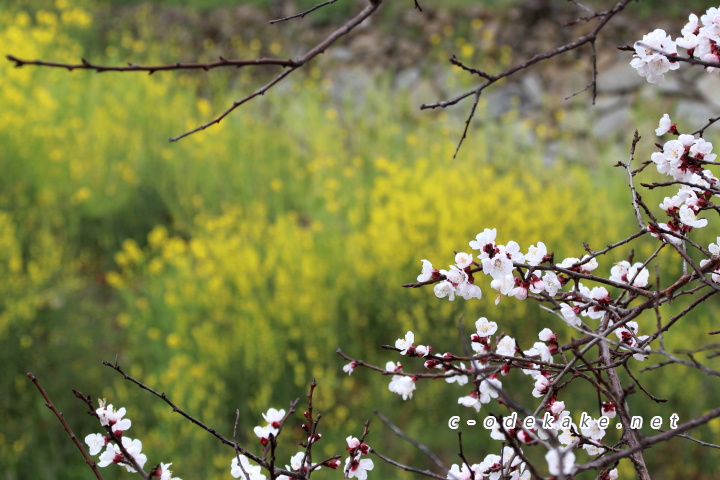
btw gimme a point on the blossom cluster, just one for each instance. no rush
(533, 273)
(493, 466)
(403, 385)
(501, 261)
(519, 273)
(240, 466)
(247, 471)
(684, 160)
(560, 460)
(113, 453)
(355, 465)
(556, 423)
(700, 37)
(496, 261)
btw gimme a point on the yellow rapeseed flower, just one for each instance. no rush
(82, 194)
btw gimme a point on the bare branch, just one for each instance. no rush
(315, 51)
(150, 69)
(302, 14)
(290, 65)
(421, 446)
(589, 38)
(48, 403)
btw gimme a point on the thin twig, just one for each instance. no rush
(476, 92)
(48, 403)
(302, 14)
(421, 446)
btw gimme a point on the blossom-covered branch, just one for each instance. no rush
(595, 311)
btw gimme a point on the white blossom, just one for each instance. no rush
(404, 344)
(484, 327)
(560, 461)
(648, 59)
(402, 385)
(664, 126)
(536, 254)
(245, 470)
(506, 346)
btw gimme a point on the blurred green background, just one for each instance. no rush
(226, 269)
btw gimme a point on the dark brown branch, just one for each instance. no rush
(704, 444)
(637, 382)
(48, 403)
(299, 63)
(127, 458)
(628, 435)
(290, 65)
(427, 473)
(302, 14)
(236, 447)
(645, 442)
(589, 38)
(150, 69)
(702, 129)
(677, 58)
(176, 409)
(593, 82)
(421, 446)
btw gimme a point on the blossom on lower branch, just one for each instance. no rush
(487, 390)
(714, 249)
(358, 468)
(355, 466)
(405, 344)
(493, 466)
(96, 442)
(164, 473)
(625, 273)
(245, 470)
(561, 461)
(274, 419)
(401, 384)
(114, 419)
(113, 454)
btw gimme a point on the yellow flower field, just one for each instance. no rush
(227, 268)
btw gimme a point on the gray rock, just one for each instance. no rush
(691, 114)
(620, 77)
(341, 54)
(708, 86)
(422, 92)
(500, 99)
(407, 78)
(672, 85)
(611, 122)
(532, 89)
(609, 103)
(576, 120)
(350, 83)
